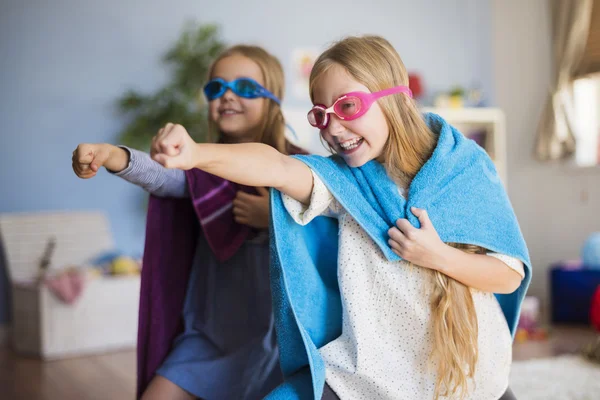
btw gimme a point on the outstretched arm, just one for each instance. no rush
(132, 165)
(252, 164)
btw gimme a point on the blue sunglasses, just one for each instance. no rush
(243, 87)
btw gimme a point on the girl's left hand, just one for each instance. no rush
(252, 210)
(420, 246)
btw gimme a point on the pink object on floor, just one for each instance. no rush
(67, 286)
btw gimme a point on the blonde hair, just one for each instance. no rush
(372, 61)
(272, 128)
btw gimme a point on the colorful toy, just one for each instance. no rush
(590, 253)
(528, 328)
(124, 266)
(415, 84)
(459, 97)
(114, 263)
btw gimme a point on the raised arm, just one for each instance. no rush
(252, 164)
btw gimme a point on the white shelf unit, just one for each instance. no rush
(488, 122)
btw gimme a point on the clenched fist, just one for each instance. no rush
(89, 157)
(173, 147)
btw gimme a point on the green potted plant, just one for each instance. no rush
(180, 100)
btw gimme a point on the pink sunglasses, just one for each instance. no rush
(350, 106)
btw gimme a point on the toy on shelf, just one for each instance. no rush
(416, 86)
(115, 264)
(529, 327)
(124, 265)
(459, 97)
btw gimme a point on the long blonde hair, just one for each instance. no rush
(272, 128)
(372, 61)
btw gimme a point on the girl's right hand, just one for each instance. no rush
(89, 157)
(173, 147)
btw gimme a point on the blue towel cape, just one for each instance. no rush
(466, 202)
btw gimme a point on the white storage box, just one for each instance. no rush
(103, 318)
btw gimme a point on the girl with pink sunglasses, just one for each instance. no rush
(398, 266)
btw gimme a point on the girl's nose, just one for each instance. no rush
(228, 95)
(335, 127)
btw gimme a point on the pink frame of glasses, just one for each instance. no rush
(366, 100)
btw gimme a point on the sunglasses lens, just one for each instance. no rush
(246, 88)
(316, 117)
(213, 89)
(348, 107)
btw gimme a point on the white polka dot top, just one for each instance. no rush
(386, 341)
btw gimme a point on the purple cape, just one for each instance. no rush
(172, 228)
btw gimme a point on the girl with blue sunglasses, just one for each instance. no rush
(206, 327)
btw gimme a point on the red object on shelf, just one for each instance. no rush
(595, 310)
(415, 85)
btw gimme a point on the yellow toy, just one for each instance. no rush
(123, 265)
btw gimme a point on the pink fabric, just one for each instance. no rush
(67, 286)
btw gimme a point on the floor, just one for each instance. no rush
(562, 340)
(103, 377)
(112, 376)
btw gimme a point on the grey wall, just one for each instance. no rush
(558, 206)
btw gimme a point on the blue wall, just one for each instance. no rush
(63, 63)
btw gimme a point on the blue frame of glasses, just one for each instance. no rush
(259, 90)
